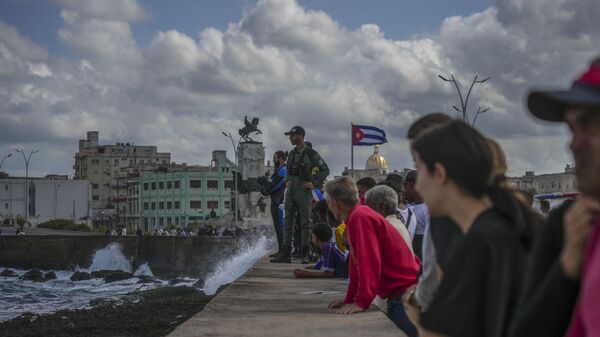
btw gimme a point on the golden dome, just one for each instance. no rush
(376, 161)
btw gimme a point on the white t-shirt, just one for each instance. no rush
(401, 228)
(412, 225)
(420, 212)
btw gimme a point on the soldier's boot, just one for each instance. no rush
(305, 255)
(284, 256)
(276, 254)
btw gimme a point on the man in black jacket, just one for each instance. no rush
(552, 281)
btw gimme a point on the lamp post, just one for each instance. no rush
(235, 184)
(26, 158)
(464, 102)
(3, 158)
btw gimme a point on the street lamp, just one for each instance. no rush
(26, 158)
(235, 184)
(3, 158)
(465, 102)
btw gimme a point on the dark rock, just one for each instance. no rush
(50, 276)
(102, 273)
(151, 314)
(199, 284)
(80, 276)
(100, 302)
(8, 273)
(33, 275)
(117, 275)
(144, 279)
(176, 281)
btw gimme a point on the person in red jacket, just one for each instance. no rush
(380, 261)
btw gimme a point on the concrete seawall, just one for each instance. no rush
(269, 302)
(167, 256)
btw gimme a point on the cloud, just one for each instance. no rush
(19, 45)
(288, 66)
(109, 10)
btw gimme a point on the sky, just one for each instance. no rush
(175, 74)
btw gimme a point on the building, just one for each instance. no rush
(126, 193)
(376, 167)
(547, 183)
(179, 195)
(101, 164)
(51, 197)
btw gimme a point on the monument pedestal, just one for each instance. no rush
(251, 166)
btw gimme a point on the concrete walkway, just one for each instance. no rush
(269, 301)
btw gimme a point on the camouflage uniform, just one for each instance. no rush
(304, 165)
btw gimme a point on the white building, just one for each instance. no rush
(49, 198)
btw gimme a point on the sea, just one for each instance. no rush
(19, 296)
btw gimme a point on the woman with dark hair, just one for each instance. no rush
(478, 292)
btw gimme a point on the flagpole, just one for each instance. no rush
(352, 150)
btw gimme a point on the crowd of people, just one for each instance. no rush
(206, 230)
(451, 249)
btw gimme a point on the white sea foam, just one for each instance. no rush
(110, 258)
(144, 270)
(229, 270)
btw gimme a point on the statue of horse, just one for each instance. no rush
(251, 127)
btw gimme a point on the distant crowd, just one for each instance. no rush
(208, 230)
(451, 249)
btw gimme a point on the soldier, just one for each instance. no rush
(306, 170)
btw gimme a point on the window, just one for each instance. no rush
(169, 205)
(131, 162)
(195, 183)
(176, 204)
(176, 183)
(145, 186)
(161, 185)
(6, 187)
(153, 186)
(141, 161)
(169, 185)
(176, 221)
(169, 221)
(95, 186)
(227, 204)
(153, 205)
(212, 184)
(196, 204)
(95, 197)
(161, 221)
(161, 205)
(95, 162)
(212, 204)
(6, 205)
(145, 206)
(229, 184)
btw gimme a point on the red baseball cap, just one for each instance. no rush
(551, 105)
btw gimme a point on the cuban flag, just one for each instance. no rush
(364, 135)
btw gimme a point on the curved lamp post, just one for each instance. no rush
(464, 102)
(235, 184)
(4, 158)
(26, 158)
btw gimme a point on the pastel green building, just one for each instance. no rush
(179, 195)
